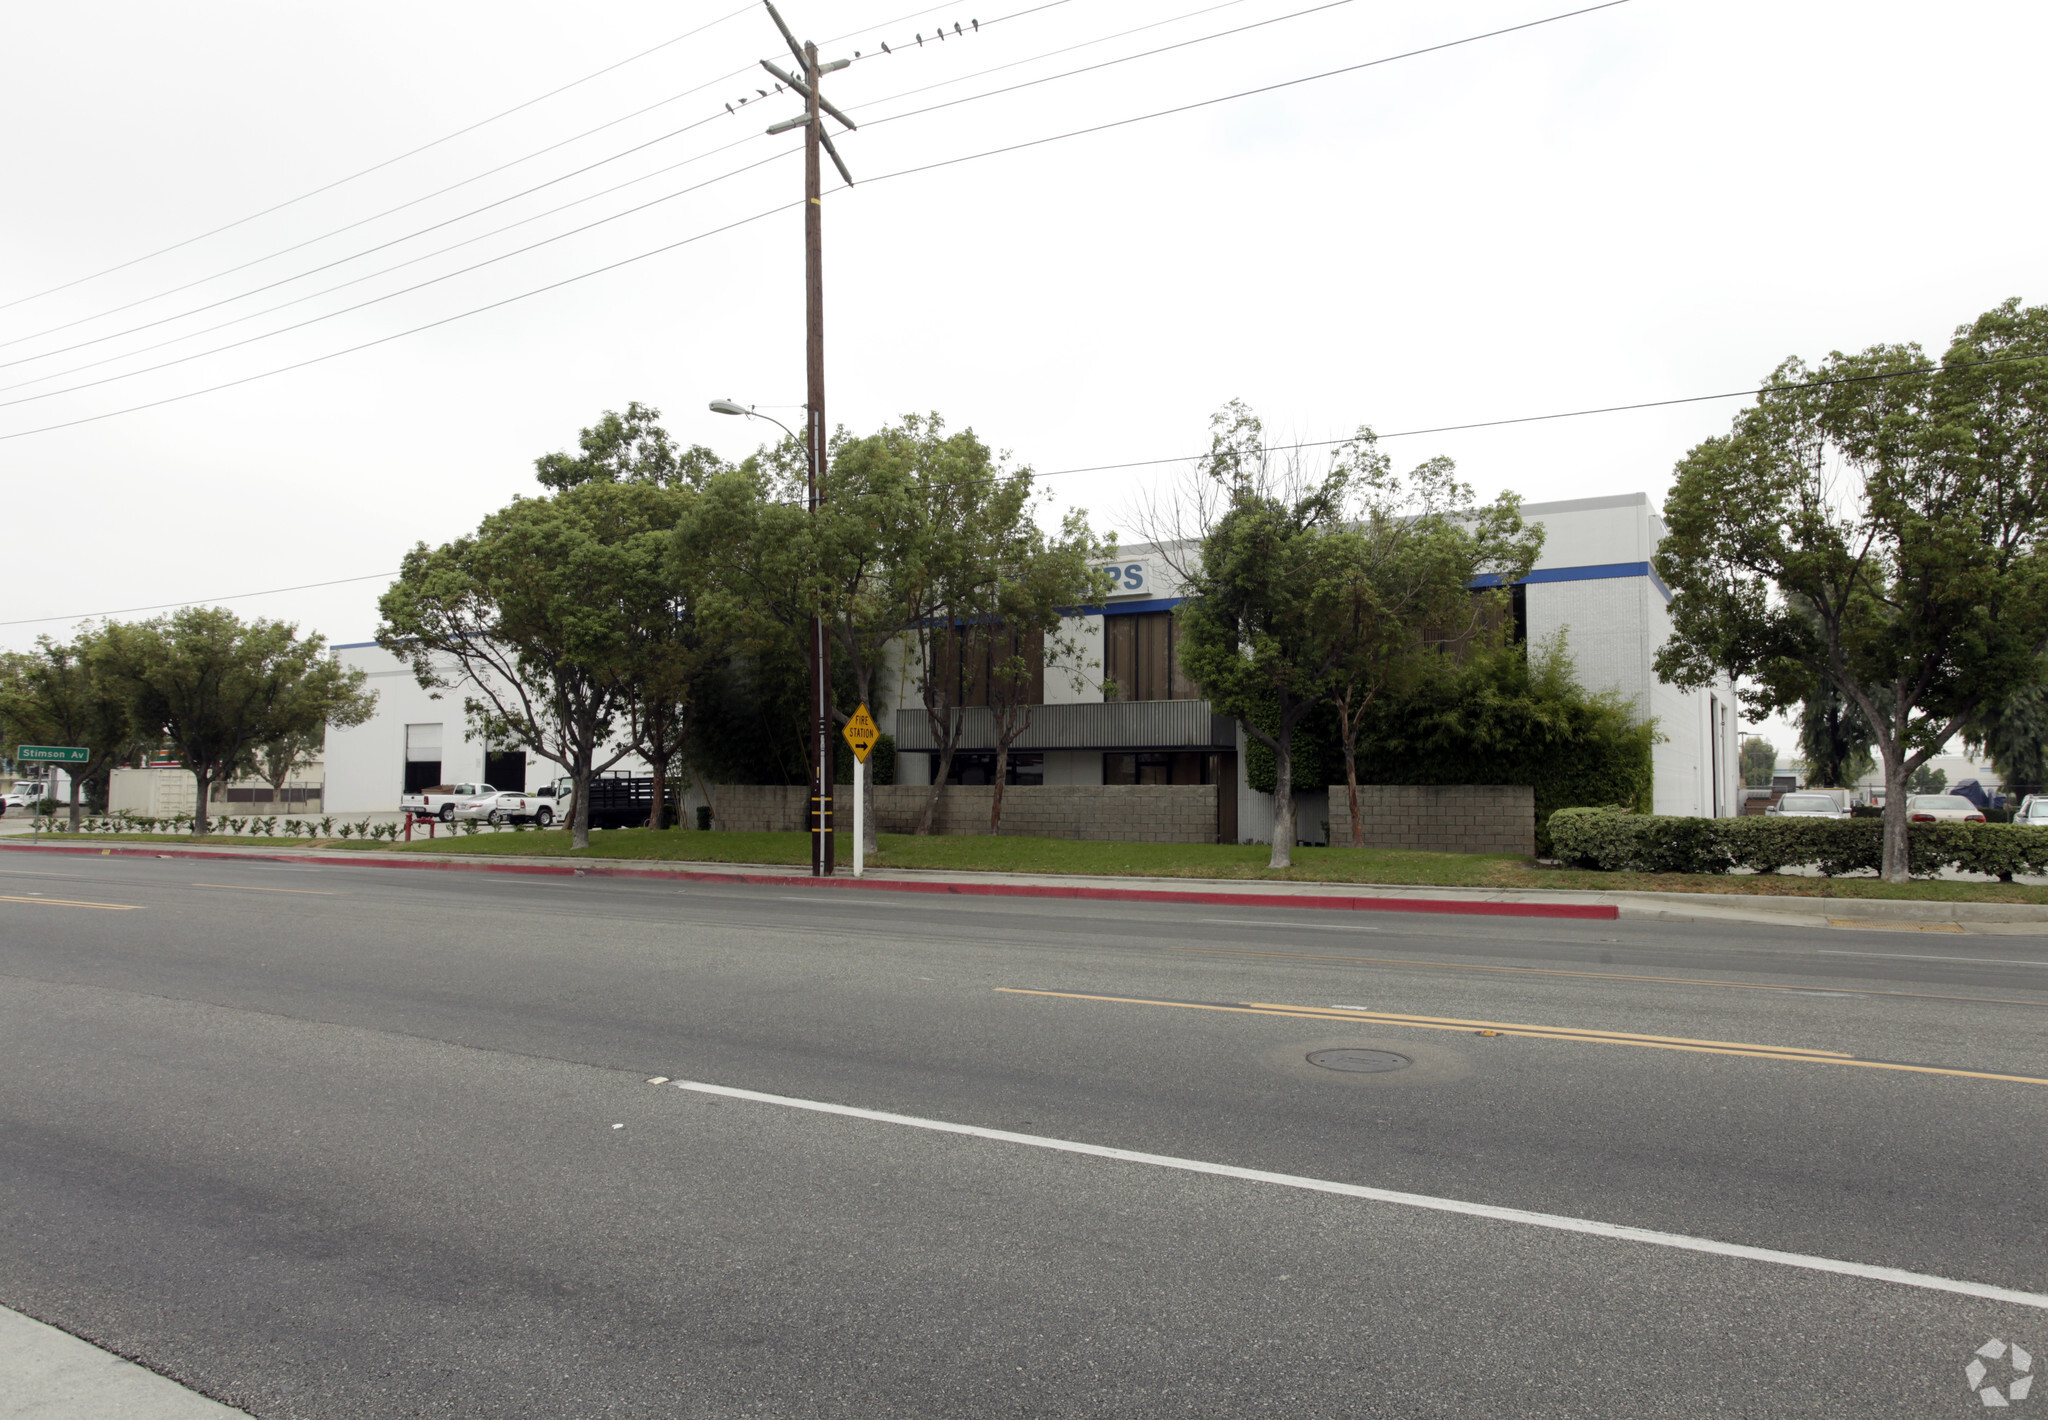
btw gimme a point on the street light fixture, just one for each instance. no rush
(726, 406)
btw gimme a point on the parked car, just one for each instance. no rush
(508, 806)
(443, 801)
(1808, 806)
(1937, 808)
(2033, 811)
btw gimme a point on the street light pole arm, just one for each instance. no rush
(726, 406)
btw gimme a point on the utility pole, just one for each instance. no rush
(820, 653)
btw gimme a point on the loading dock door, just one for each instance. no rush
(422, 757)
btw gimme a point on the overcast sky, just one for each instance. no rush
(1648, 201)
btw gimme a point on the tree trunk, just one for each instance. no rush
(205, 782)
(579, 778)
(995, 810)
(931, 803)
(1351, 793)
(658, 810)
(74, 801)
(1897, 863)
(1283, 800)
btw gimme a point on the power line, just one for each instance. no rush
(402, 291)
(353, 280)
(1128, 58)
(339, 261)
(902, 172)
(379, 216)
(150, 369)
(414, 202)
(1191, 458)
(202, 601)
(378, 167)
(415, 330)
(1565, 414)
(1247, 93)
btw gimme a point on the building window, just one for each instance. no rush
(976, 655)
(1141, 657)
(1158, 767)
(979, 767)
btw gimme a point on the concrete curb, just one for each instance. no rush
(1826, 909)
(53, 1375)
(1487, 906)
(1554, 902)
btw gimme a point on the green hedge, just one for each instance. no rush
(1505, 715)
(1614, 841)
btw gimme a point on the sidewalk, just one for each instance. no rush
(1998, 918)
(51, 1375)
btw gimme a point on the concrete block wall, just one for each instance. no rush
(1107, 813)
(1439, 818)
(762, 808)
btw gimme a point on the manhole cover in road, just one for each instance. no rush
(1360, 1062)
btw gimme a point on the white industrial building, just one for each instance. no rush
(1594, 583)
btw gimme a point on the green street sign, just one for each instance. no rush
(52, 754)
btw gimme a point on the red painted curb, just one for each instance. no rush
(1595, 912)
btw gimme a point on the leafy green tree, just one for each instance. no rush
(1510, 714)
(279, 760)
(2014, 736)
(537, 617)
(628, 448)
(981, 587)
(1264, 628)
(1927, 780)
(1012, 620)
(1874, 524)
(216, 688)
(1833, 739)
(776, 564)
(1412, 549)
(61, 693)
(1759, 762)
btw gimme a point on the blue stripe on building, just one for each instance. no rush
(1606, 571)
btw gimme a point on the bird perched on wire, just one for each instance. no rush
(762, 92)
(886, 49)
(956, 27)
(730, 109)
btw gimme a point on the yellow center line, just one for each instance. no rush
(1749, 1052)
(64, 902)
(1589, 975)
(1343, 1012)
(302, 892)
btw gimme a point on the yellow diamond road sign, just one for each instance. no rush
(861, 732)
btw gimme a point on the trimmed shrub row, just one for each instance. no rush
(1613, 840)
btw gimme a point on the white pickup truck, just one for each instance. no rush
(444, 801)
(509, 806)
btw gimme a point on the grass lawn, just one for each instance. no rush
(1204, 860)
(1148, 860)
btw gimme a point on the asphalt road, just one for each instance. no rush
(350, 1142)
